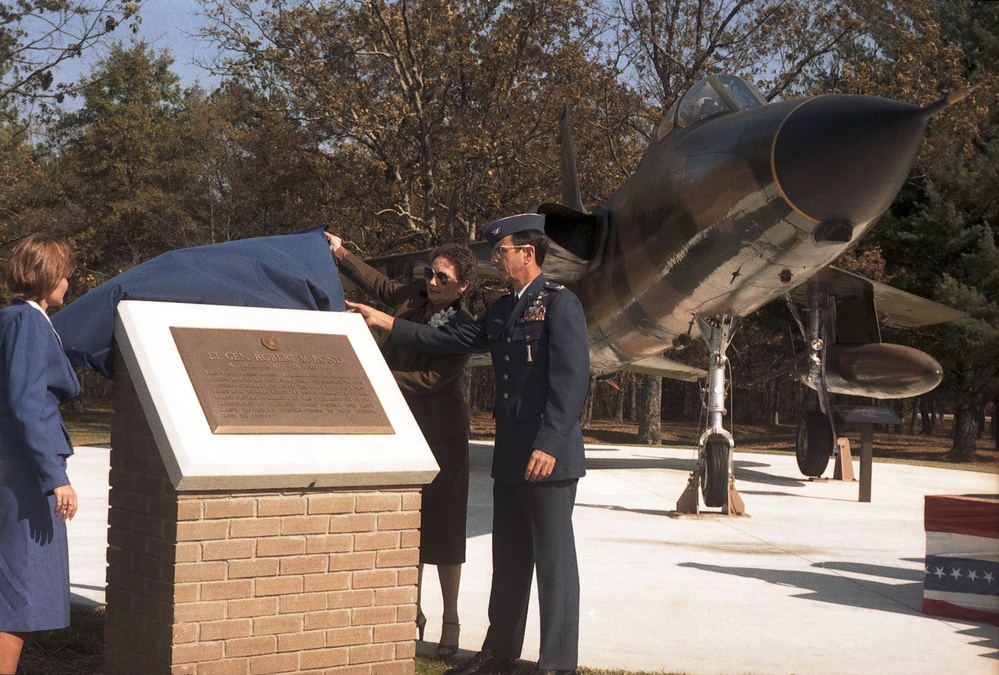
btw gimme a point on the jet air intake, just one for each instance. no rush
(841, 160)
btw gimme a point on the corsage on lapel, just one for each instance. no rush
(535, 311)
(442, 317)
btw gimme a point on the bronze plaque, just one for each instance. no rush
(271, 382)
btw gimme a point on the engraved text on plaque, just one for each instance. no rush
(272, 382)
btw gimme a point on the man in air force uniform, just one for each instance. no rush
(540, 352)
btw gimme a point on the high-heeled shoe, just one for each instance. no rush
(448, 646)
(421, 623)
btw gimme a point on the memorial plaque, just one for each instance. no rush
(272, 382)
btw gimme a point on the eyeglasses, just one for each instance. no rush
(442, 279)
(500, 250)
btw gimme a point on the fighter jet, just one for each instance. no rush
(735, 203)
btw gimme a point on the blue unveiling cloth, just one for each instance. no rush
(293, 271)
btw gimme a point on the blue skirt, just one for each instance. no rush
(34, 557)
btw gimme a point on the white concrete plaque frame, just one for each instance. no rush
(196, 459)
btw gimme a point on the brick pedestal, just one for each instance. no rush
(253, 581)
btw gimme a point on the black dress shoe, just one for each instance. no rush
(483, 663)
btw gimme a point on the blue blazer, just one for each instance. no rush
(35, 379)
(541, 361)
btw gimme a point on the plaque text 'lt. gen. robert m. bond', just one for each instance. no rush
(271, 382)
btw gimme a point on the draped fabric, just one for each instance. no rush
(962, 557)
(293, 271)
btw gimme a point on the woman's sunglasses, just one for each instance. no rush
(442, 279)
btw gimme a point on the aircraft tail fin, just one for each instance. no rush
(570, 180)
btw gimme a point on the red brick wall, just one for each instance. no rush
(253, 581)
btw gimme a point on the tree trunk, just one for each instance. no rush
(772, 417)
(963, 447)
(619, 398)
(632, 399)
(650, 428)
(995, 424)
(926, 417)
(980, 420)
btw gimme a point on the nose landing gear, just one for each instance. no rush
(714, 463)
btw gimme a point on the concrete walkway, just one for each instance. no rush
(810, 581)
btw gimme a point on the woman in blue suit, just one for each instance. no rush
(35, 495)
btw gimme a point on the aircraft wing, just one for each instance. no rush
(401, 266)
(660, 365)
(895, 307)
(581, 236)
(407, 266)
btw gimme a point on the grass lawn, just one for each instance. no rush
(88, 427)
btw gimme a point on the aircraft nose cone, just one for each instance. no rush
(843, 159)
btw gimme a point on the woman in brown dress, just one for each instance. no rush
(432, 388)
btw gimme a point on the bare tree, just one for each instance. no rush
(456, 103)
(36, 36)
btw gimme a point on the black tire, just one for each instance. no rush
(714, 480)
(815, 443)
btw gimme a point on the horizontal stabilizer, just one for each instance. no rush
(895, 307)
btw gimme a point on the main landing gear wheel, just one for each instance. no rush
(815, 443)
(714, 479)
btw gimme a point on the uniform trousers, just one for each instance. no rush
(532, 528)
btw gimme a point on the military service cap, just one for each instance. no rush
(497, 230)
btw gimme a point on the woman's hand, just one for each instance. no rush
(372, 316)
(66, 504)
(335, 242)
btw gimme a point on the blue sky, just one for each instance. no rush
(166, 24)
(173, 25)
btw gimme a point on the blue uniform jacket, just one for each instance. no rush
(36, 378)
(541, 361)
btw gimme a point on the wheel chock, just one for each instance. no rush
(843, 466)
(735, 507)
(689, 501)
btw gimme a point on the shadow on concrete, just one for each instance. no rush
(833, 588)
(985, 636)
(865, 594)
(615, 507)
(898, 573)
(745, 470)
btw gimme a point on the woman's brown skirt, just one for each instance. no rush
(445, 505)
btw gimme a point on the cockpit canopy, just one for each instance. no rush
(711, 96)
